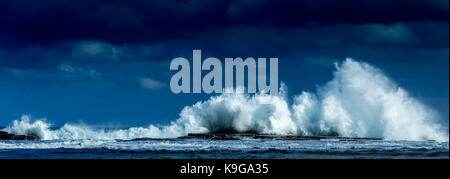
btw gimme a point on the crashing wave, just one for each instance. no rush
(360, 101)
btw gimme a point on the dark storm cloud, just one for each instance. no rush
(140, 21)
(293, 13)
(40, 34)
(112, 21)
(234, 41)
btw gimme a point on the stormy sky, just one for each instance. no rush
(106, 62)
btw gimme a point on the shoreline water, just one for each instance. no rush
(224, 149)
(225, 146)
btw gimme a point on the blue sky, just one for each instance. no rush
(107, 62)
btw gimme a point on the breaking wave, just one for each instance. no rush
(360, 101)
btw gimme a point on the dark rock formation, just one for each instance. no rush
(237, 136)
(8, 136)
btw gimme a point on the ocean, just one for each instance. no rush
(222, 149)
(360, 101)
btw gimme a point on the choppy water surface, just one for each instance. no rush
(234, 149)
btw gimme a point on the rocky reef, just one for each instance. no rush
(7, 136)
(237, 136)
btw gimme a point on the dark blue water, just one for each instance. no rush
(220, 149)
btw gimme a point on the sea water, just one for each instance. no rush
(223, 149)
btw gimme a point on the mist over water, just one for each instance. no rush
(360, 101)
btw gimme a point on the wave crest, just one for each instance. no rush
(360, 101)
